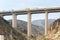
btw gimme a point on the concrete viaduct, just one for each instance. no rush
(29, 12)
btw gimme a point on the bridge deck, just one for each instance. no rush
(34, 11)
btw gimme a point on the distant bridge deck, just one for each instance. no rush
(33, 11)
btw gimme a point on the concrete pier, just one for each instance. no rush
(1, 37)
(29, 25)
(46, 21)
(14, 20)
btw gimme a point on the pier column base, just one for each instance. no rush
(1, 37)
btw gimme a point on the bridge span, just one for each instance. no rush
(29, 12)
(33, 11)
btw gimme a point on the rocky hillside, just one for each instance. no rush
(54, 30)
(9, 32)
(55, 25)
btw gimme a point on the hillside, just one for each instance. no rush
(9, 32)
(22, 25)
(42, 22)
(55, 25)
(54, 30)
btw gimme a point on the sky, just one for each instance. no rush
(23, 4)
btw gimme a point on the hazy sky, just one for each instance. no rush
(22, 4)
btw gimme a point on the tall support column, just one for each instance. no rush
(29, 25)
(14, 20)
(1, 37)
(46, 21)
